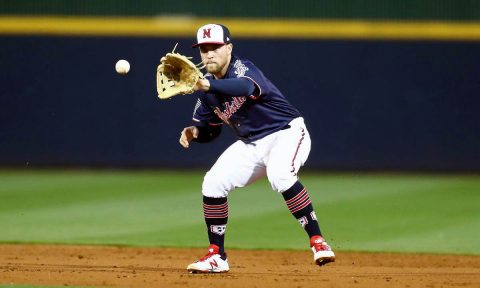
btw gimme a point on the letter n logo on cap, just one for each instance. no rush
(206, 33)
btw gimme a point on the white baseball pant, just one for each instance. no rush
(279, 156)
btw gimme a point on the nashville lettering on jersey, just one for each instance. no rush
(230, 108)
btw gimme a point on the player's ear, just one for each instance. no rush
(229, 48)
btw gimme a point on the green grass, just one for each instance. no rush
(357, 212)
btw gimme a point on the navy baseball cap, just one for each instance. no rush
(213, 34)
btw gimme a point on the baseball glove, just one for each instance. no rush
(176, 75)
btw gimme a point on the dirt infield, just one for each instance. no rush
(160, 267)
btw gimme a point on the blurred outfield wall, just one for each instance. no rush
(381, 85)
(463, 10)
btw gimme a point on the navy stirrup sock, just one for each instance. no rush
(300, 205)
(215, 211)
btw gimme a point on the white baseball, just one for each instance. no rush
(122, 66)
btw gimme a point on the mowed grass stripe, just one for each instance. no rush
(361, 212)
(403, 222)
(57, 189)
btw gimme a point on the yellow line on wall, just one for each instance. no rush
(240, 28)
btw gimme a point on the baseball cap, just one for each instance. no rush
(213, 34)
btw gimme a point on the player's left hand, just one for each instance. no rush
(177, 75)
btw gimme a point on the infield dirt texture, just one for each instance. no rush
(152, 267)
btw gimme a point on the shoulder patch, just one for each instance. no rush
(240, 68)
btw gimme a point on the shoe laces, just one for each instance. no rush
(319, 244)
(212, 250)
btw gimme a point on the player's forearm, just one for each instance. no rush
(232, 87)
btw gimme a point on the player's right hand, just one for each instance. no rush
(187, 135)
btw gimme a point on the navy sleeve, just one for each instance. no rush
(207, 133)
(246, 69)
(233, 87)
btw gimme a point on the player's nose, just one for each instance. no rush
(210, 54)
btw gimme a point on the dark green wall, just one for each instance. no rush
(463, 10)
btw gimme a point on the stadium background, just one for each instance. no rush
(388, 89)
(383, 85)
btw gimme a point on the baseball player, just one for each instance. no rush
(273, 141)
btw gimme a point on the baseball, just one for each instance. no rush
(122, 66)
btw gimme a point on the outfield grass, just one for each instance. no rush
(357, 212)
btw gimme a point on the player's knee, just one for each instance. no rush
(214, 187)
(282, 181)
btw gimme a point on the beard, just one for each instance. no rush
(213, 68)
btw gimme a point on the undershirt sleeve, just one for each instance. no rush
(233, 87)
